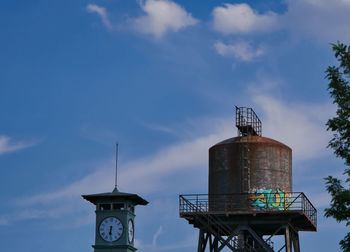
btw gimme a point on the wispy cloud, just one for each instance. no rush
(96, 181)
(162, 16)
(188, 242)
(101, 135)
(7, 145)
(324, 20)
(160, 128)
(156, 235)
(146, 174)
(101, 12)
(3, 221)
(298, 125)
(320, 200)
(242, 50)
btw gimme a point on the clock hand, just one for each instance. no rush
(110, 230)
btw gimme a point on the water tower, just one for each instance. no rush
(250, 197)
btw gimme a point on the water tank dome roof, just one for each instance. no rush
(255, 139)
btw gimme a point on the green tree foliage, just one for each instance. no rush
(339, 89)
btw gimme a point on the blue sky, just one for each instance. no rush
(160, 77)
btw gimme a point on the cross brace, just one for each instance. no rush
(217, 243)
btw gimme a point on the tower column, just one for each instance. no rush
(288, 240)
(296, 244)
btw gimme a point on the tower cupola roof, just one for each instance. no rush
(115, 195)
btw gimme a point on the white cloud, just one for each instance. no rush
(325, 20)
(241, 19)
(101, 11)
(241, 50)
(322, 19)
(7, 145)
(161, 17)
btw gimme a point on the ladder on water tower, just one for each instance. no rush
(245, 165)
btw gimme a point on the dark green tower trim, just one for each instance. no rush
(94, 198)
(105, 248)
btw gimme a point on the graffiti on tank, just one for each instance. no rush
(271, 199)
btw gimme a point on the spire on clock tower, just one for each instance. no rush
(116, 167)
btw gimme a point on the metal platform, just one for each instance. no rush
(253, 207)
(223, 217)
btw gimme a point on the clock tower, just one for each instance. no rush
(115, 214)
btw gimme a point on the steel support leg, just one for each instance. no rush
(215, 244)
(296, 243)
(241, 240)
(202, 241)
(259, 239)
(211, 247)
(288, 240)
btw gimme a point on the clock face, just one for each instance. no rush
(111, 229)
(131, 231)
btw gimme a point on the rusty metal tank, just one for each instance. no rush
(247, 164)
